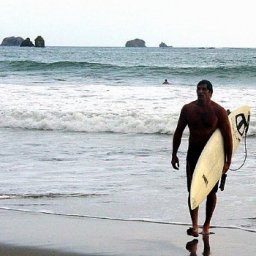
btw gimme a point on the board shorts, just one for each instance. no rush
(192, 157)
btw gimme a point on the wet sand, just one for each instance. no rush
(23, 233)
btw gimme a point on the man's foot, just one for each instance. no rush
(206, 231)
(192, 232)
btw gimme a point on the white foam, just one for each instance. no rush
(100, 108)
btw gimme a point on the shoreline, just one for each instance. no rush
(25, 233)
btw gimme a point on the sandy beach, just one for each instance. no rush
(45, 234)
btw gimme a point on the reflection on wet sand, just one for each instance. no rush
(192, 246)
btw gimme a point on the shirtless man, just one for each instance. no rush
(202, 116)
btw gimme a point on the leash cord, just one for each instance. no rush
(245, 155)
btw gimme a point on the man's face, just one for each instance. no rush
(203, 92)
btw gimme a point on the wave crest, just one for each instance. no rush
(136, 70)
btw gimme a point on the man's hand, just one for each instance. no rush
(175, 162)
(225, 167)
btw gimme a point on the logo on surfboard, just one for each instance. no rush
(242, 125)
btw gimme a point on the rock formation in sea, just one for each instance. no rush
(164, 45)
(27, 43)
(135, 43)
(12, 41)
(39, 42)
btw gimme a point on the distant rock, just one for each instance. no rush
(164, 45)
(135, 43)
(27, 43)
(39, 42)
(12, 41)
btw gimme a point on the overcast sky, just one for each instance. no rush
(180, 23)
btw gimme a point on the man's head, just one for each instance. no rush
(207, 83)
(204, 90)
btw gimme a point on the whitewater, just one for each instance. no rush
(100, 108)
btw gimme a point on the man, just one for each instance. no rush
(202, 116)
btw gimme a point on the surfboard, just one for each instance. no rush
(208, 170)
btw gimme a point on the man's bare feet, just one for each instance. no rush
(206, 230)
(192, 232)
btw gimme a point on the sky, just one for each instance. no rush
(178, 23)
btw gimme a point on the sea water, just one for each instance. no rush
(88, 131)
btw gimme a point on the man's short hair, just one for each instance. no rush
(208, 84)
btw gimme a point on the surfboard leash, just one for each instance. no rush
(244, 123)
(245, 155)
(241, 122)
(224, 176)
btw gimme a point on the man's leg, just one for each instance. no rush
(210, 206)
(194, 218)
(191, 162)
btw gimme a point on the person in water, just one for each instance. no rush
(166, 82)
(202, 116)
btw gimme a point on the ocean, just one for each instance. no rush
(87, 132)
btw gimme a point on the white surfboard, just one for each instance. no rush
(209, 166)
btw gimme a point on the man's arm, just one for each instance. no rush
(182, 123)
(225, 129)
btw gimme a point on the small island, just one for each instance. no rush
(39, 42)
(19, 41)
(27, 43)
(12, 41)
(135, 43)
(163, 45)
